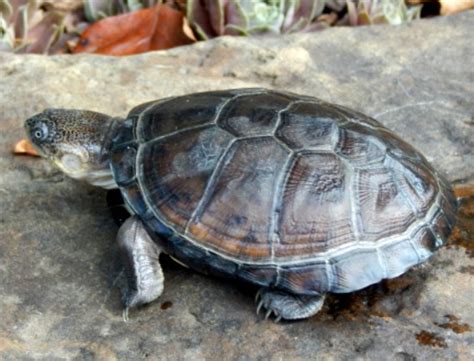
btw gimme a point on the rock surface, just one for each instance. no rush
(57, 237)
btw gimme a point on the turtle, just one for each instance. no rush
(286, 192)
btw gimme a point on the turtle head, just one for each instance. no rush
(77, 141)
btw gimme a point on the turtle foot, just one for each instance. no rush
(286, 305)
(140, 258)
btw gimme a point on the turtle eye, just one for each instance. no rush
(40, 132)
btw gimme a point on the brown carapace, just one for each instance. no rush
(282, 190)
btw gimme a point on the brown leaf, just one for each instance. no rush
(328, 18)
(42, 35)
(160, 27)
(24, 146)
(455, 6)
(187, 30)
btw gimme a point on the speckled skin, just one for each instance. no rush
(280, 190)
(77, 141)
(82, 128)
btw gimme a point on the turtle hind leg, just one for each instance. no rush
(286, 305)
(139, 256)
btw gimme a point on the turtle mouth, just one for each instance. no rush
(41, 151)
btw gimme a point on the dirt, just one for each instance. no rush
(463, 233)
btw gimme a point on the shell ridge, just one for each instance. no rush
(414, 246)
(221, 109)
(382, 263)
(278, 122)
(437, 202)
(226, 104)
(139, 126)
(278, 274)
(353, 190)
(209, 186)
(179, 131)
(396, 178)
(329, 273)
(147, 198)
(356, 117)
(274, 232)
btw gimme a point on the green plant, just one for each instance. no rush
(367, 12)
(210, 18)
(25, 26)
(99, 9)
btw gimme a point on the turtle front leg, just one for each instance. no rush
(286, 305)
(140, 258)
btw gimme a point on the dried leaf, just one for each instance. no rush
(455, 6)
(43, 34)
(187, 30)
(38, 26)
(329, 19)
(160, 27)
(24, 146)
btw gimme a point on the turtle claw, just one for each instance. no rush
(286, 305)
(261, 304)
(125, 315)
(268, 314)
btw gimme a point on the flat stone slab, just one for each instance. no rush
(57, 300)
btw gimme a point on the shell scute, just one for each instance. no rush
(305, 279)
(260, 275)
(360, 149)
(417, 184)
(316, 211)
(357, 118)
(253, 114)
(124, 161)
(399, 257)
(425, 242)
(355, 270)
(165, 117)
(444, 223)
(400, 149)
(251, 164)
(384, 209)
(176, 170)
(309, 125)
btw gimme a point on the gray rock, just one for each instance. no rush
(57, 237)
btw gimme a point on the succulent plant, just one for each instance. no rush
(26, 26)
(210, 18)
(99, 9)
(366, 12)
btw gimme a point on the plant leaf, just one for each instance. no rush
(455, 6)
(159, 27)
(24, 146)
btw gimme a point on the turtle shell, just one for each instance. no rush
(281, 190)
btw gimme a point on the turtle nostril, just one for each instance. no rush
(30, 122)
